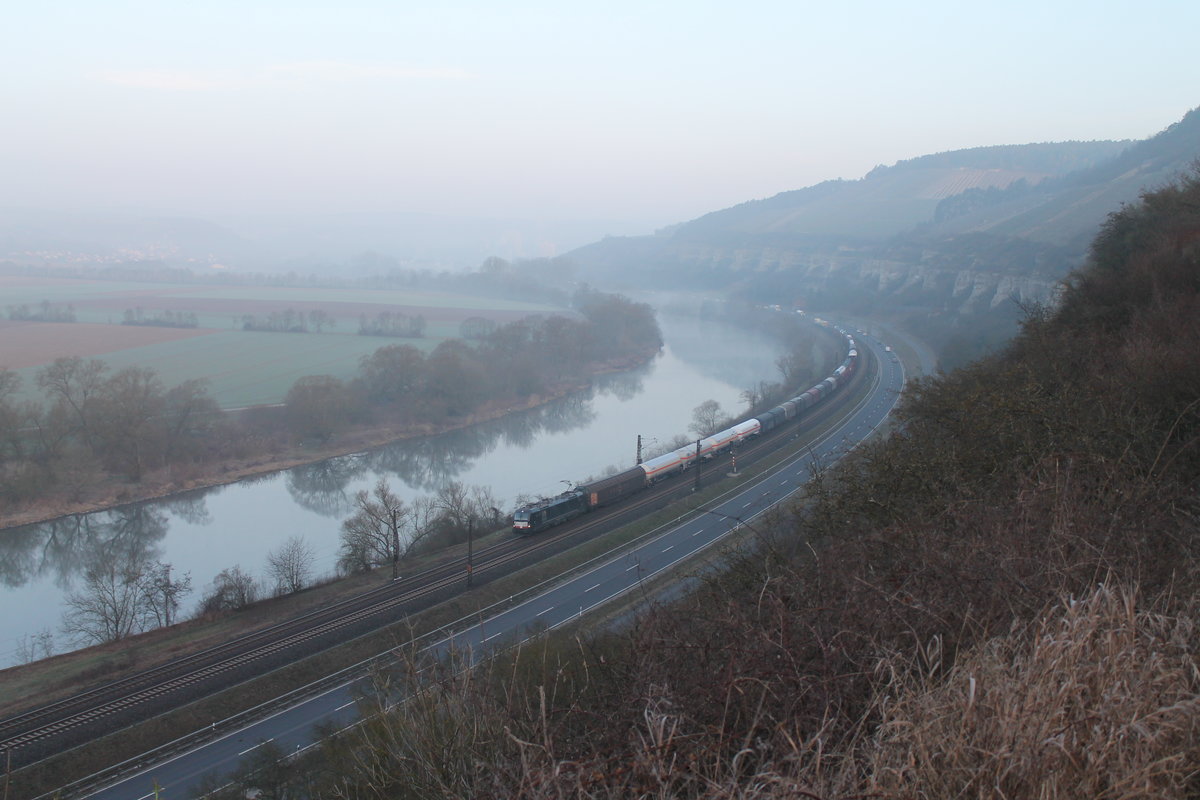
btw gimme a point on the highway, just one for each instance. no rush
(293, 729)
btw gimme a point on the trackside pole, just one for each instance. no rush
(470, 547)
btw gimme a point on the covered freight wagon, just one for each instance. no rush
(613, 488)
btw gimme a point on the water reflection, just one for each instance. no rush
(430, 462)
(191, 506)
(321, 487)
(65, 547)
(624, 385)
(529, 452)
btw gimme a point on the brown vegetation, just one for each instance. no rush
(930, 627)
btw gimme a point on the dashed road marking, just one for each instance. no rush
(248, 749)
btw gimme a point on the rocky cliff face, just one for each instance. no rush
(932, 281)
(958, 234)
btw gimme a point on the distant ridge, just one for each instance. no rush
(939, 238)
(891, 200)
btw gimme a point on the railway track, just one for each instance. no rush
(55, 727)
(189, 676)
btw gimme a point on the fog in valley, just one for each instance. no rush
(770, 398)
(279, 139)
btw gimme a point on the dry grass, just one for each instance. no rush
(1093, 699)
(908, 638)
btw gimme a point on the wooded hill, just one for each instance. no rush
(945, 241)
(997, 601)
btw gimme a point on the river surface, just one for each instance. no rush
(537, 452)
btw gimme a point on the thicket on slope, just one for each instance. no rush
(1069, 460)
(1092, 699)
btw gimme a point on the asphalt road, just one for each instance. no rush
(293, 729)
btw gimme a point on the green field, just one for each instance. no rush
(250, 367)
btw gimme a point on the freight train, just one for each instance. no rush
(544, 513)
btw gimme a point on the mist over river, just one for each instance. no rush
(534, 452)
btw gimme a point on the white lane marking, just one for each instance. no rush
(597, 586)
(344, 705)
(248, 749)
(631, 569)
(551, 608)
(493, 636)
(668, 547)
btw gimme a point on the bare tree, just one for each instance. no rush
(232, 590)
(35, 646)
(392, 373)
(454, 501)
(759, 393)
(317, 406)
(706, 418)
(161, 593)
(319, 318)
(109, 606)
(74, 384)
(290, 566)
(372, 535)
(794, 367)
(424, 517)
(12, 419)
(190, 414)
(127, 422)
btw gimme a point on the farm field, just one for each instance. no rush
(243, 367)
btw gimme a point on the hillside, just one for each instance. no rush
(892, 200)
(999, 600)
(945, 241)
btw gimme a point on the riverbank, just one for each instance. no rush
(157, 484)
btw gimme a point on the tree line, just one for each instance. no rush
(289, 320)
(95, 425)
(44, 311)
(94, 421)
(392, 323)
(163, 319)
(399, 383)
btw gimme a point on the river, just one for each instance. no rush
(537, 452)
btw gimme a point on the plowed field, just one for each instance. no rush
(30, 344)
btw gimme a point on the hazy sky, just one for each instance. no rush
(639, 111)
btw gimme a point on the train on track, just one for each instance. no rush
(545, 513)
